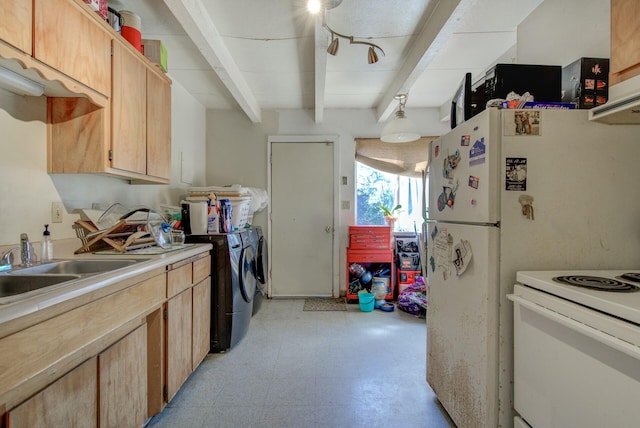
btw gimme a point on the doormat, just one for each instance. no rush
(324, 304)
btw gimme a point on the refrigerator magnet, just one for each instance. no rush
(448, 197)
(436, 150)
(462, 256)
(516, 174)
(450, 163)
(474, 181)
(442, 247)
(477, 153)
(464, 140)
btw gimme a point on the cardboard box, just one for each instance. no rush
(156, 52)
(586, 82)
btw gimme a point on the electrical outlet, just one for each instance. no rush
(57, 208)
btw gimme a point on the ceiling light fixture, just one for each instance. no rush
(372, 56)
(18, 84)
(314, 6)
(400, 129)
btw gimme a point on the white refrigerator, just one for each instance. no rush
(514, 190)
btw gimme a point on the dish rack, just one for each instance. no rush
(123, 236)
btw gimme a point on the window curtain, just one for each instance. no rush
(407, 159)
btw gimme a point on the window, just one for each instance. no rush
(375, 188)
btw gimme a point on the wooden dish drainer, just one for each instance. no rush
(125, 235)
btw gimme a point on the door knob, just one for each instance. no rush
(328, 229)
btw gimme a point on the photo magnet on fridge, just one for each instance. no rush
(477, 153)
(473, 181)
(464, 140)
(516, 174)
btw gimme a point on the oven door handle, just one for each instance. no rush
(604, 338)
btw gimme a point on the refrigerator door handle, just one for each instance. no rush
(496, 224)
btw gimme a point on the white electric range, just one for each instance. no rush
(577, 348)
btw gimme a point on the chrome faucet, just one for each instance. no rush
(6, 259)
(27, 255)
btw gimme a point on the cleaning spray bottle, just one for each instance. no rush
(47, 245)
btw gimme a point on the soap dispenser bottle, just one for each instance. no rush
(47, 245)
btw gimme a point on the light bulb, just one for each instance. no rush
(314, 6)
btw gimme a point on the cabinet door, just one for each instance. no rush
(128, 107)
(201, 321)
(625, 40)
(71, 401)
(158, 126)
(16, 23)
(179, 361)
(123, 381)
(68, 39)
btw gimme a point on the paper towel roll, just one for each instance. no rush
(198, 217)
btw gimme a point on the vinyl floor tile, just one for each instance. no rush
(313, 370)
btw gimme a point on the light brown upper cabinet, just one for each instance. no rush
(625, 40)
(71, 41)
(141, 116)
(158, 125)
(128, 111)
(16, 28)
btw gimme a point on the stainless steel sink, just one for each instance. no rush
(22, 280)
(11, 285)
(78, 267)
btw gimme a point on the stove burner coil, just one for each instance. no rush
(596, 283)
(630, 276)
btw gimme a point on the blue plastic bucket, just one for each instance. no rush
(366, 300)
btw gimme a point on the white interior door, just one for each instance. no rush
(302, 212)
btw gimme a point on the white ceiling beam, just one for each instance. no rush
(197, 23)
(320, 67)
(443, 19)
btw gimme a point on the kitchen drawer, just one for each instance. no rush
(201, 269)
(179, 279)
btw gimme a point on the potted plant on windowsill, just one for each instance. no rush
(391, 214)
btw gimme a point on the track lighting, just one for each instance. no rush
(372, 56)
(400, 129)
(333, 47)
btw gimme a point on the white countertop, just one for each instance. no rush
(50, 296)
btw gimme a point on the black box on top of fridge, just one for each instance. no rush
(586, 82)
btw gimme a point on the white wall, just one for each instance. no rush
(27, 191)
(237, 149)
(560, 31)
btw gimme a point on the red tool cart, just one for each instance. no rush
(369, 255)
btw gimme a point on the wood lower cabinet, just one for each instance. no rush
(625, 40)
(201, 321)
(68, 39)
(113, 360)
(123, 381)
(71, 401)
(188, 316)
(179, 367)
(16, 28)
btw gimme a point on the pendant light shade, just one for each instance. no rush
(400, 129)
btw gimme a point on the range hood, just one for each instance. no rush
(623, 106)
